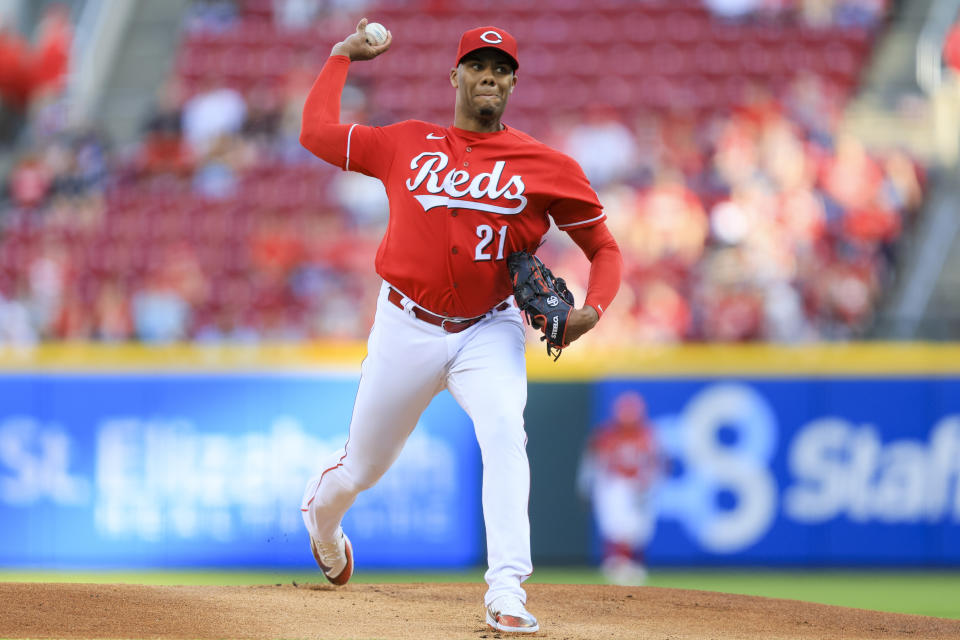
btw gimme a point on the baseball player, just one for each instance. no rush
(462, 198)
(618, 471)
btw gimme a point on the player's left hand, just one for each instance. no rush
(356, 47)
(580, 321)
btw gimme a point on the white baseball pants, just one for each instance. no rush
(408, 362)
(624, 512)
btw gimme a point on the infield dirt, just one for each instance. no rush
(441, 611)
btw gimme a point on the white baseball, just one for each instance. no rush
(376, 33)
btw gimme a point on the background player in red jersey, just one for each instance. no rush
(620, 466)
(462, 198)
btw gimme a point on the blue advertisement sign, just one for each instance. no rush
(803, 471)
(145, 470)
(180, 470)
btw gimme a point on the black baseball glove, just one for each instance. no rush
(544, 299)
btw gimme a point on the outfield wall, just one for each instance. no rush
(176, 456)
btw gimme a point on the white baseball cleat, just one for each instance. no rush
(508, 614)
(334, 558)
(625, 572)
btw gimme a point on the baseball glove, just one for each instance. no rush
(544, 299)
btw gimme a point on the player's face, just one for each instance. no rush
(484, 80)
(630, 408)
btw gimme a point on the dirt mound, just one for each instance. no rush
(401, 611)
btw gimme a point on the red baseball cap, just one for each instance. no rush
(484, 37)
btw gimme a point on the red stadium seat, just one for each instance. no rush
(257, 9)
(685, 27)
(584, 61)
(641, 28)
(552, 28)
(253, 33)
(614, 91)
(713, 59)
(598, 28)
(839, 61)
(799, 56)
(669, 59)
(753, 58)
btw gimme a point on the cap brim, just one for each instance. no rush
(516, 65)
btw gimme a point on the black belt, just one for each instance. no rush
(447, 324)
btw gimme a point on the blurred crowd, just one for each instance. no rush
(761, 224)
(814, 13)
(759, 221)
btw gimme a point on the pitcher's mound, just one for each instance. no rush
(421, 611)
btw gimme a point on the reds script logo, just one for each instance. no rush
(457, 183)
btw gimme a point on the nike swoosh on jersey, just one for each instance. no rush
(433, 136)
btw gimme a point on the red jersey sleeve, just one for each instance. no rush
(576, 204)
(576, 210)
(352, 147)
(606, 264)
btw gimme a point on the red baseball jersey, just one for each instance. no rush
(460, 201)
(628, 452)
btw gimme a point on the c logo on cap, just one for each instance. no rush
(492, 37)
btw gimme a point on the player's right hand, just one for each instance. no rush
(356, 47)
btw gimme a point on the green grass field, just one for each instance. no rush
(929, 593)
